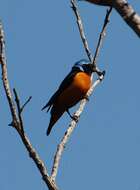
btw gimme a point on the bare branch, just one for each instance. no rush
(72, 126)
(17, 100)
(81, 30)
(128, 14)
(17, 119)
(39, 163)
(125, 10)
(5, 78)
(83, 37)
(101, 37)
(60, 147)
(24, 105)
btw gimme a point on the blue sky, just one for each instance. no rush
(42, 43)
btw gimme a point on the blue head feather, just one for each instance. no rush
(83, 65)
(81, 62)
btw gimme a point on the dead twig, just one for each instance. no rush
(81, 29)
(24, 105)
(17, 100)
(101, 37)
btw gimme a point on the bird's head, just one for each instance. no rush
(84, 66)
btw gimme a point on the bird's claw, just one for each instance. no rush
(75, 118)
(101, 76)
(101, 73)
(86, 97)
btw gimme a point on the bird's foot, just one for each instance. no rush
(86, 97)
(101, 76)
(73, 117)
(68, 112)
(100, 73)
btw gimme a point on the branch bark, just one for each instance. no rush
(128, 14)
(125, 10)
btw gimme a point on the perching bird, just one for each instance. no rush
(72, 89)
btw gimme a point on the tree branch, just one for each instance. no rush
(128, 14)
(5, 78)
(101, 37)
(72, 126)
(17, 122)
(24, 105)
(81, 29)
(17, 100)
(61, 146)
(125, 10)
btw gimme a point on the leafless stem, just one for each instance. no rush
(5, 78)
(17, 122)
(60, 147)
(125, 10)
(72, 126)
(24, 105)
(101, 37)
(81, 29)
(17, 100)
(129, 15)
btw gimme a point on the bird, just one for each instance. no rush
(73, 88)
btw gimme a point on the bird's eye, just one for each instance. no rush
(79, 66)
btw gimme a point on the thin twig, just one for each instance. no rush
(83, 37)
(17, 100)
(16, 119)
(81, 29)
(60, 147)
(24, 105)
(101, 37)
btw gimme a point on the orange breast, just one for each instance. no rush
(82, 82)
(75, 92)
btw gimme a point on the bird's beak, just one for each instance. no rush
(96, 70)
(92, 68)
